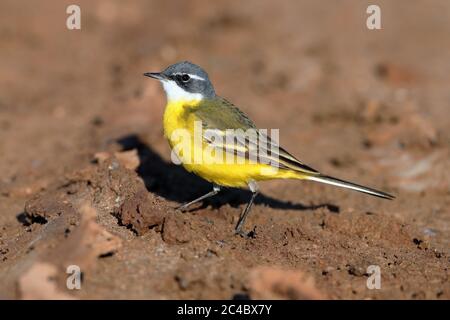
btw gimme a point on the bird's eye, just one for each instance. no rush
(185, 78)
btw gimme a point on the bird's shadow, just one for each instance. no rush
(174, 183)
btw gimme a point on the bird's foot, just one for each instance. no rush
(182, 208)
(245, 235)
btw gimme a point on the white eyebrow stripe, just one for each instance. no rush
(194, 76)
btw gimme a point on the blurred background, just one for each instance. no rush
(365, 105)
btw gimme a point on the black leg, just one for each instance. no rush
(238, 229)
(214, 191)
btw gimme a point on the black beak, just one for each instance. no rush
(155, 75)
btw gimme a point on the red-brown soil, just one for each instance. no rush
(86, 177)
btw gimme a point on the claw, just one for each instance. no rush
(182, 208)
(251, 234)
(241, 233)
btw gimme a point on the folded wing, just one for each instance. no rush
(228, 129)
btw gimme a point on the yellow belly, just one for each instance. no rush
(196, 155)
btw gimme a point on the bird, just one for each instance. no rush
(215, 131)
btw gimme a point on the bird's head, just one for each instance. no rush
(184, 81)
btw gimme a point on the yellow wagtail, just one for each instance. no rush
(192, 104)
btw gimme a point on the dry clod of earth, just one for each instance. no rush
(277, 283)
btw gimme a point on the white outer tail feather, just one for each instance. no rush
(350, 185)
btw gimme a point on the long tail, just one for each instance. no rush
(350, 185)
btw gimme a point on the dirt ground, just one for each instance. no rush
(86, 177)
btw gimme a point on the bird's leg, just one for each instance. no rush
(238, 230)
(214, 191)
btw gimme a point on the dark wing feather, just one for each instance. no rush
(219, 115)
